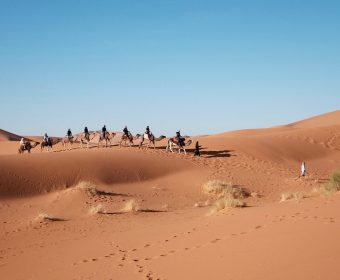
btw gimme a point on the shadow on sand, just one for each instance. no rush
(105, 193)
(139, 211)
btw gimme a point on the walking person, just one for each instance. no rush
(197, 149)
(303, 169)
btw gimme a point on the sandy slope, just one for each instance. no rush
(170, 238)
(8, 136)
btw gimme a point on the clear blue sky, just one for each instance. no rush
(199, 66)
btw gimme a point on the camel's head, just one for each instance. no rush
(34, 144)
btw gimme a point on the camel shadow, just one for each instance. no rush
(221, 153)
(213, 154)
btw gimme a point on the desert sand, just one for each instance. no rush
(129, 213)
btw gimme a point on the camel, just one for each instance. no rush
(108, 137)
(128, 138)
(85, 138)
(49, 144)
(27, 147)
(70, 140)
(174, 142)
(152, 139)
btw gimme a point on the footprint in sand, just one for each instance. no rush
(215, 240)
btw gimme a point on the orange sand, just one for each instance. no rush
(170, 238)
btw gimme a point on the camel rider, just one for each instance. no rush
(69, 134)
(22, 143)
(86, 133)
(179, 137)
(126, 131)
(46, 138)
(104, 130)
(147, 131)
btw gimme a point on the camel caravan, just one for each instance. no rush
(104, 138)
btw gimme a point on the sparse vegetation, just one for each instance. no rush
(297, 196)
(223, 188)
(226, 202)
(99, 209)
(334, 183)
(87, 187)
(46, 217)
(331, 187)
(131, 206)
(228, 195)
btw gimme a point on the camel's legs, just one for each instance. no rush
(170, 147)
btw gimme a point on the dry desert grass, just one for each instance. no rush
(98, 209)
(334, 183)
(87, 187)
(296, 196)
(222, 188)
(228, 195)
(131, 206)
(331, 187)
(47, 217)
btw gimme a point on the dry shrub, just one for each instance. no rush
(99, 209)
(46, 217)
(228, 195)
(334, 183)
(226, 202)
(297, 196)
(223, 188)
(86, 187)
(131, 206)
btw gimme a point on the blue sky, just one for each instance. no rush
(199, 66)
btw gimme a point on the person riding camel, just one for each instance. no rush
(22, 143)
(86, 133)
(147, 131)
(69, 134)
(104, 130)
(126, 131)
(178, 137)
(46, 138)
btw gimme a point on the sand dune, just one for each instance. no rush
(40, 173)
(8, 136)
(63, 213)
